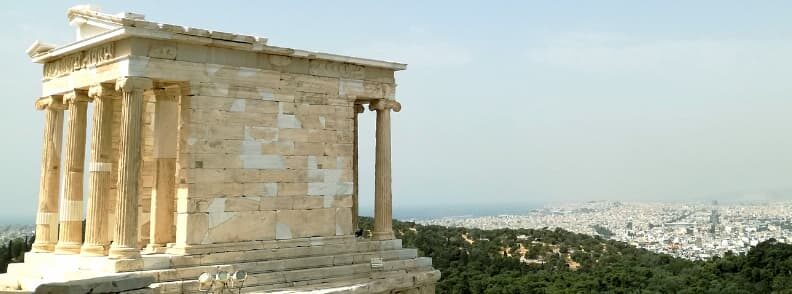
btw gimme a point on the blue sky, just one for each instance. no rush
(506, 101)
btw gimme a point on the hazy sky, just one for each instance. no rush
(510, 101)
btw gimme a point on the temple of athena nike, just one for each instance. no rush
(216, 162)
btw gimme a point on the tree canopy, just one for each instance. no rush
(559, 261)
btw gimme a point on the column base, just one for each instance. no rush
(154, 249)
(382, 235)
(93, 250)
(123, 253)
(67, 248)
(43, 247)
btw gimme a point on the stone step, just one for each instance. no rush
(421, 281)
(299, 277)
(190, 273)
(178, 261)
(68, 263)
(28, 276)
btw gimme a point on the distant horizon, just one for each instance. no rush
(416, 211)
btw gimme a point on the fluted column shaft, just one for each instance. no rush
(383, 208)
(166, 120)
(70, 235)
(97, 237)
(126, 228)
(49, 188)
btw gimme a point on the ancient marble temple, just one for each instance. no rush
(211, 155)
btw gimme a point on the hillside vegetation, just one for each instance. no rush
(558, 261)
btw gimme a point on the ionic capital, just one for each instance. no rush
(105, 90)
(385, 104)
(130, 84)
(75, 96)
(359, 108)
(54, 102)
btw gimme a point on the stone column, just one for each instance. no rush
(71, 209)
(166, 120)
(383, 208)
(97, 238)
(355, 171)
(49, 188)
(125, 234)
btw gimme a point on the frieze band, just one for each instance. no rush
(79, 60)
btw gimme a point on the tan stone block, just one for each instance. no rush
(191, 228)
(322, 136)
(336, 69)
(287, 223)
(351, 88)
(244, 226)
(266, 176)
(297, 162)
(342, 201)
(339, 149)
(243, 203)
(265, 133)
(345, 137)
(302, 97)
(227, 56)
(260, 106)
(207, 175)
(196, 72)
(192, 205)
(204, 190)
(313, 109)
(260, 189)
(217, 101)
(310, 121)
(216, 116)
(344, 112)
(215, 161)
(271, 203)
(347, 175)
(325, 162)
(250, 92)
(340, 101)
(215, 146)
(218, 131)
(308, 202)
(284, 202)
(292, 189)
(321, 222)
(296, 135)
(288, 64)
(315, 84)
(339, 124)
(287, 107)
(278, 147)
(309, 148)
(191, 53)
(379, 75)
(315, 176)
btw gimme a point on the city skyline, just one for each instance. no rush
(532, 102)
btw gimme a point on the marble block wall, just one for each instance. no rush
(265, 150)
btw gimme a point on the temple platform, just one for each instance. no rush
(346, 264)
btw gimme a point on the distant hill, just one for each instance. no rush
(559, 261)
